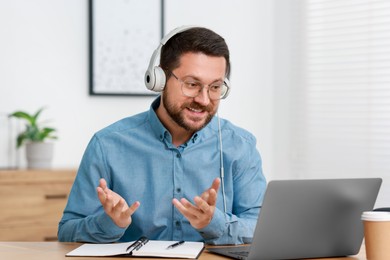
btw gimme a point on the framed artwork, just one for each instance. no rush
(122, 37)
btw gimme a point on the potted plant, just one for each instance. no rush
(39, 152)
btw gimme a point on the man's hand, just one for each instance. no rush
(115, 206)
(200, 214)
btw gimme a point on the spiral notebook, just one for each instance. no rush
(141, 248)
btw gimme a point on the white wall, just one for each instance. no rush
(44, 62)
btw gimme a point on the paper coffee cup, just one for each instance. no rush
(377, 234)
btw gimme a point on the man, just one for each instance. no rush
(158, 174)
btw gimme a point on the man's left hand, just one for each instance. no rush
(201, 213)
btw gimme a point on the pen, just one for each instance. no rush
(142, 243)
(132, 245)
(139, 243)
(175, 244)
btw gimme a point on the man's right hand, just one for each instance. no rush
(115, 206)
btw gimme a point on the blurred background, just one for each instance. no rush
(311, 80)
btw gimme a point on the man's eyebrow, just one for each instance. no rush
(199, 80)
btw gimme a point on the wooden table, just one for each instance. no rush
(57, 251)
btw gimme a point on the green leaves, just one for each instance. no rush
(33, 132)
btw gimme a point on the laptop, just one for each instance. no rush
(309, 219)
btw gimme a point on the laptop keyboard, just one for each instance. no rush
(240, 253)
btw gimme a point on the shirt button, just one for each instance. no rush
(178, 190)
(178, 155)
(177, 223)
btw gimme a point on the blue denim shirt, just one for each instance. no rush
(136, 157)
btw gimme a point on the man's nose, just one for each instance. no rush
(203, 98)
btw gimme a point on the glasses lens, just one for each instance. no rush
(217, 91)
(224, 90)
(193, 89)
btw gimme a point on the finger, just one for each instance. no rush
(102, 183)
(183, 203)
(101, 195)
(205, 195)
(202, 205)
(108, 203)
(103, 186)
(107, 191)
(197, 210)
(216, 184)
(118, 208)
(185, 208)
(130, 211)
(100, 190)
(212, 197)
(188, 205)
(179, 206)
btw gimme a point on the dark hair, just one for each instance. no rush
(194, 40)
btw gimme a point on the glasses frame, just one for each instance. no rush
(182, 82)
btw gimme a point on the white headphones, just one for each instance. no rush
(154, 76)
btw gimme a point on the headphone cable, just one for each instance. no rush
(222, 172)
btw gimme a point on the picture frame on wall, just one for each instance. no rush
(122, 37)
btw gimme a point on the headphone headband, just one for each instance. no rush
(176, 31)
(154, 75)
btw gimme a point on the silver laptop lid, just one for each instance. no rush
(313, 218)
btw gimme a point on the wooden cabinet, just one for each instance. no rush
(32, 202)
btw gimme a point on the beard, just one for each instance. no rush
(176, 113)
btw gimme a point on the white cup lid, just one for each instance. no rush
(376, 216)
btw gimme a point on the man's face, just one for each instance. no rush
(193, 113)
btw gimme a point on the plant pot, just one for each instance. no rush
(39, 155)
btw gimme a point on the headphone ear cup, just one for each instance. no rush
(227, 82)
(155, 79)
(149, 79)
(160, 79)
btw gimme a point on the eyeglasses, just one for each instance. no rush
(192, 88)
